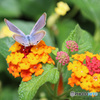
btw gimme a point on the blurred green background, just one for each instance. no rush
(24, 13)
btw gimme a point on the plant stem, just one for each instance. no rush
(66, 92)
(69, 52)
(49, 90)
(56, 85)
(56, 88)
(73, 12)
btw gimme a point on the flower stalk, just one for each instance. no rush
(59, 66)
(67, 92)
(48, 89)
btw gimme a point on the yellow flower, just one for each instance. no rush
(62, 8)
(70, 66)
(96, 80)
(24, 66)
(97, 56)
(87, 53)
(74, 66)
(33, 59)
(81, 71)
(44, 58)
(86, 85)
(15, 58)
(15, 47)
(25, 61)
(4, 32)
(79, 57)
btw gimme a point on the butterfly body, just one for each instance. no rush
(28, 38)
(35, 36)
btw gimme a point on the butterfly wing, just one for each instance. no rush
(21, 39)
(37, 37)
(39, 24)
(13, 28)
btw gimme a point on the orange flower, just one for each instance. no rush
(85, 71)
(73, 80)
(25, 61)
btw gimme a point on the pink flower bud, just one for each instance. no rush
(72, 45)
(62, 57)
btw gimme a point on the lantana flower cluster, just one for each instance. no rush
(85, 71)
(72, 45)
(62, 57)
(25, 61)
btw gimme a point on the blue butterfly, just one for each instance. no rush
(35, 36)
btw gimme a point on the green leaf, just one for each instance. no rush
(90, 9)
(3, 64)
(9, 8)
(27, 90)
(5, 43)
(66, 74)
(55, 51)
(83, 38)
(96, 47)
(64, 29)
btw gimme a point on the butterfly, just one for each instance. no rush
(35, 36)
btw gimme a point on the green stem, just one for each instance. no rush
(49, 90)
(56, 88)
(69, 52)
(66, 92)
(73, 12)
(59, 66)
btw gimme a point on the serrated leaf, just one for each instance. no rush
(27, 90)
(83, 38)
